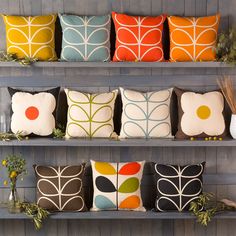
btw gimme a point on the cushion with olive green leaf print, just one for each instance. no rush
(117, 185)
(146, 115)
(90, 115)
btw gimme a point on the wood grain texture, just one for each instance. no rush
(220, 156)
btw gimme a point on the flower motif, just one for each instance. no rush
(202, 113)
(33, 113)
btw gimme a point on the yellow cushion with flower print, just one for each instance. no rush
(31, 36)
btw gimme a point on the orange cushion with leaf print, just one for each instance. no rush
(193, 39)
(138, 38)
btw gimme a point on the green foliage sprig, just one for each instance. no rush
(59, 132)
(226, 47)
(27, 61)
(206, 207)
(11, 57)
(37, 213)
(10, 136)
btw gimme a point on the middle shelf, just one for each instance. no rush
(51, 142)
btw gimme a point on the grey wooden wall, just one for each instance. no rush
(219, 160)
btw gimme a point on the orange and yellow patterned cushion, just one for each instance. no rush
(32, 37)
(193, 39)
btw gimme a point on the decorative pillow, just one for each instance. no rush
(85, 38)
(146, 115)
(60, 188)
(32, 37)
(178, 186)
(90, 115)
(193, 39)
(117, 186)
(138, 38)
(200, 115)
(34, 112)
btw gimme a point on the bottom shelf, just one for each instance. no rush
(115, 215)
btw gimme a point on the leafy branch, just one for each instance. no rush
(37, 213)
(205, 207)
(11, 57)
(226, 47)
(10, 136)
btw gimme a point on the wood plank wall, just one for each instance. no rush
(219, 160)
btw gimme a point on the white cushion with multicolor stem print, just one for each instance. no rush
(146, 115)
(90, 115)
(117, 185)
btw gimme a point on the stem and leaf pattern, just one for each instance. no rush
(90, 115)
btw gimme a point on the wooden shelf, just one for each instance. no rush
(115, 215)
(50, 142)
(121, 64)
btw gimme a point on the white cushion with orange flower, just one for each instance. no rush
(33, 113)
(200, 115)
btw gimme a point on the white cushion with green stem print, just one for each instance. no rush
(90, 115)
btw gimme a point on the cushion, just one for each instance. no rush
(138, 38)
(90, 115)
(32, 37)
(177, 186)
(193, 39)
(33, 112)
(117, 186)
(146, 115)
(200, 115)
(85, 38)
(60, 188)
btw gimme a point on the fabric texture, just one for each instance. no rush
(60, 188)
(193, 39)
(33, 112)
(178, 186)
(117, 186)
(85, 38)
(146, 115)
(90, 115)
(200, 115)
(31, 36)
(138, 38)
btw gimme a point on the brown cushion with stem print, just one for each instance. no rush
(60, 188)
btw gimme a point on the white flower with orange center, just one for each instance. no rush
(33, 113)
(202, 113)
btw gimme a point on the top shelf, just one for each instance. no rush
(57, 64)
